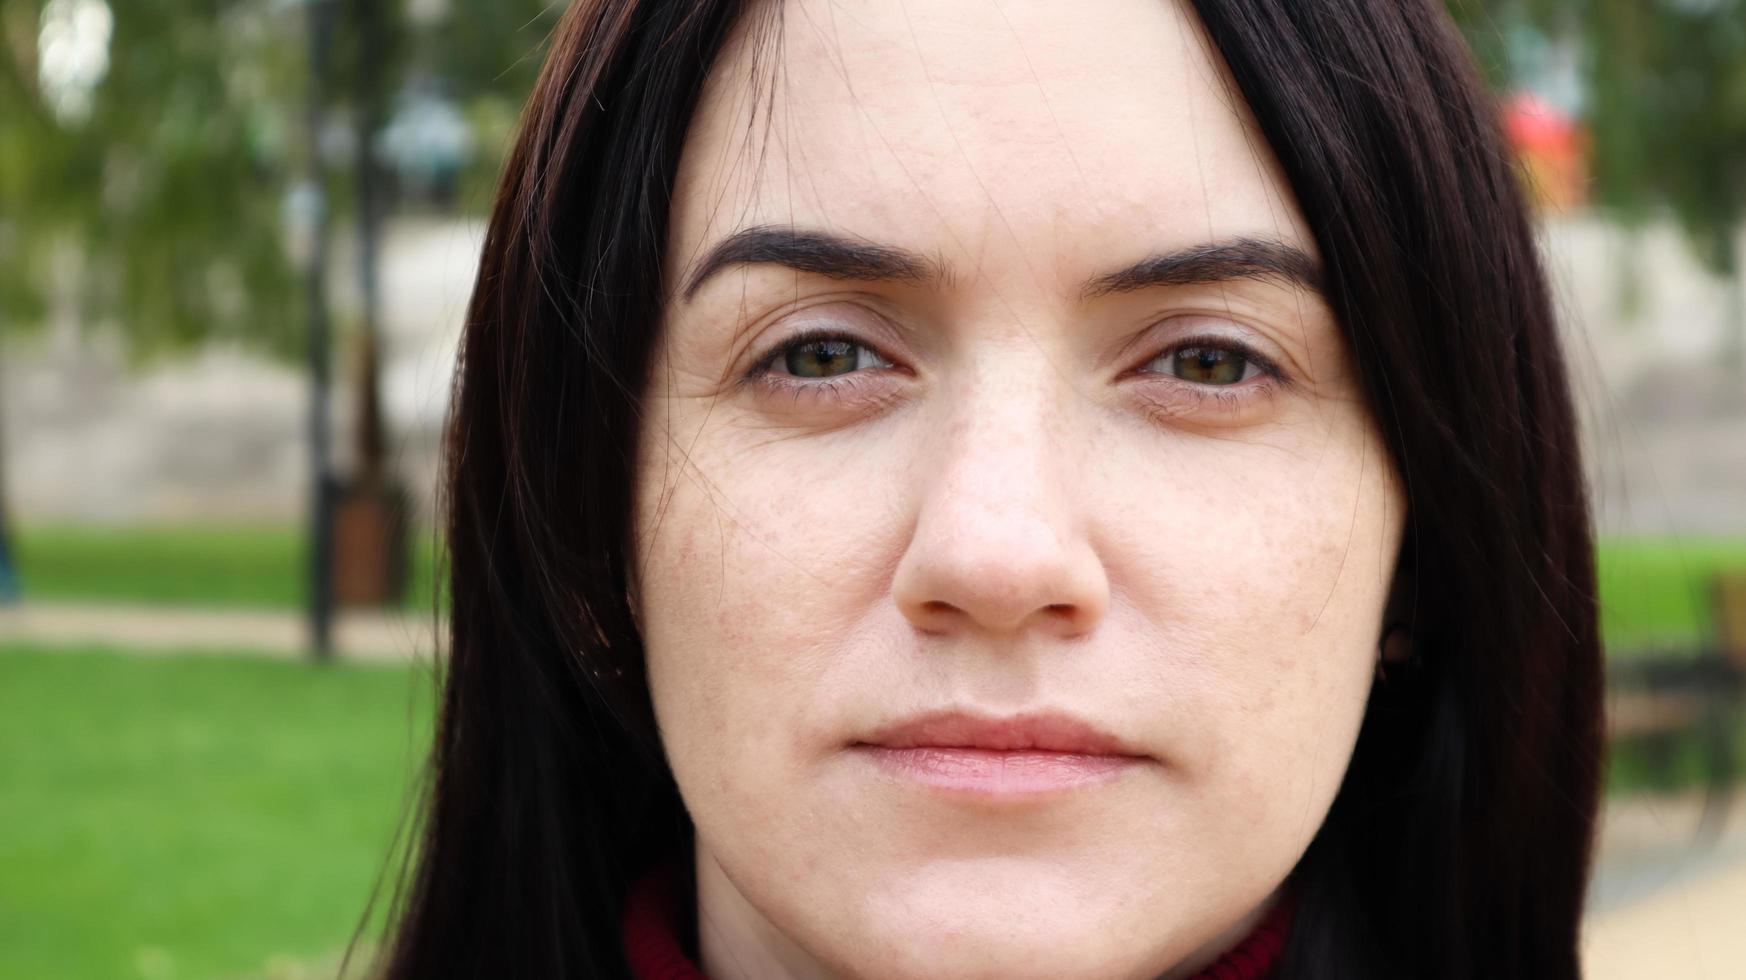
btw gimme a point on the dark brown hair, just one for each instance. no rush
(1459, 844)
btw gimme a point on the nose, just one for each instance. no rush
(1000, 544)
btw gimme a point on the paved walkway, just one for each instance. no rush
(1665, 904)
(371, 636)
(1695, 930)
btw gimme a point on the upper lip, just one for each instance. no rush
(1040, 731)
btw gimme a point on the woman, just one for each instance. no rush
(1010, 490)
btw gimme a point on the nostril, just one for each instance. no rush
(1061, 610)
(934, 607)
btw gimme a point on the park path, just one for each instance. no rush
(357, 635)
(1694, 929)
(1663, 905)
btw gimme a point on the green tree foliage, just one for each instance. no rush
(168, 191)
(490, 48)
(1665, 88)
(487, 54)
(164, 193)
(1676, 89)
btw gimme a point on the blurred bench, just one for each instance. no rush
(1670, 697)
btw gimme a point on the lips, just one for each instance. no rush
(988, 758)
(1043, 732)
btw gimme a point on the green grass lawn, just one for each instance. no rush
(1652, 591)
(185, 565)
(175, 817)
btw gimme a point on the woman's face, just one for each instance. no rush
(993, 385)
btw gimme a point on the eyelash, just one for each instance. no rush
(838, 387)
(1267, 383)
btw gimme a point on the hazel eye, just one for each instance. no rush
(827, 357)
(1206, 364)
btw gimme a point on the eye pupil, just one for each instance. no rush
(821, 358)
(1208, 365)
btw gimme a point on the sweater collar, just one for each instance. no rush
(653, 948)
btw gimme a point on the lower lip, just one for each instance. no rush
(998, 773)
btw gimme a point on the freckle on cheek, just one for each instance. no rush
(729, 625)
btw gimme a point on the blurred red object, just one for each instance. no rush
(1552, 148)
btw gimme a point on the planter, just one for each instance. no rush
(370, 545)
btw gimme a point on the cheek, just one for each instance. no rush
(1259, 572)
(759, 567)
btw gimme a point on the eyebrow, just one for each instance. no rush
(1237, 258)
(816, 252)
(838, 257)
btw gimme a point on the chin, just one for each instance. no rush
(982, 931)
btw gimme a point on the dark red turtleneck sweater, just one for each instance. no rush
(651, 941)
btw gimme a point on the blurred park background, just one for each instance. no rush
(236, 242)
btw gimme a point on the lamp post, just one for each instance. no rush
(10, 589)
(308, 219)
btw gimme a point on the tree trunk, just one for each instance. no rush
(370, 104)
(9, 582)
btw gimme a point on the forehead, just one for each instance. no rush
(1037, 142)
